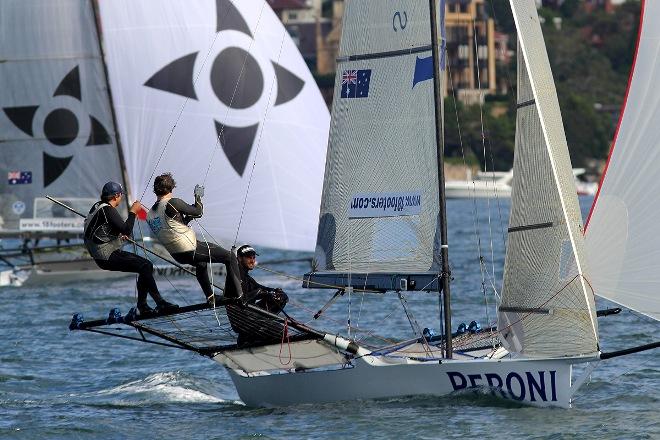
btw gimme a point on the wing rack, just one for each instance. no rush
(201, 328)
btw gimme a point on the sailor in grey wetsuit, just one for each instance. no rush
(104, 229)
(168, 220)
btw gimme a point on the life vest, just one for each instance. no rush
(174, 235)
(100, 242)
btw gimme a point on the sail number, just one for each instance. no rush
(401, 18)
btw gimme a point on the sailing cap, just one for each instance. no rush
(111, 188)
(246, 250)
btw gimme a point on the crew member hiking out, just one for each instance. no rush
(103, 234)
(168, 220)
(249, 326)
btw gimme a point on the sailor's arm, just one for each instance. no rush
(117, 223)
(177, 206)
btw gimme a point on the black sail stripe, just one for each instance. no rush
(528, 227)
(388, 54)
(525, 103)
(525, 310)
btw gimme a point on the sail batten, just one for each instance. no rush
(387, 54)
(544, 267)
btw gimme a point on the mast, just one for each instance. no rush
(439, 138)
(120, 152)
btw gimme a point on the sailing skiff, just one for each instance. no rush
(385, 231)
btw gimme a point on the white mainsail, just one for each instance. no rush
(622, 236)
(226, 82)
(56, 127)
(546, 308)
(379, 211)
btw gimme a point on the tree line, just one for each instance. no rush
(590, 55)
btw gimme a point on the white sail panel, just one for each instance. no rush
(219, 83)
(56, 127)
(382, 150)
(376, 26)
(622, 237)
(546, 308)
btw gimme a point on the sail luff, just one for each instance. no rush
(437, 13)
(117, 137)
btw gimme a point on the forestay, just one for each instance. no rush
(223, 79)
(379, 210)
(56, 125)
(622, 238)
(546, 308)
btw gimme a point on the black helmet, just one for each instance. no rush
(246, 250)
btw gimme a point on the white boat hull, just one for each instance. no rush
(542, 383)
(462, 190)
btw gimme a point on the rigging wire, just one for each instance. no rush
(483, 145)
(183, 106)
(233, 95)
(258, 145)
(475, 210)
(414, 325)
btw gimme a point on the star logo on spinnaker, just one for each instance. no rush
(237, 81)
(61, 125)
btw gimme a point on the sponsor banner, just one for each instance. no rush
(52, 224)
(385, 204)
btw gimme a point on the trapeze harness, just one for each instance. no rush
(174, 235)
(100, 242)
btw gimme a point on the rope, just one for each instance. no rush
(285, 335)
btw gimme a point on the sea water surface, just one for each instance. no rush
(57, 384)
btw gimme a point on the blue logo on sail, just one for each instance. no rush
(424, 66)
(423, 70)
(355, 83)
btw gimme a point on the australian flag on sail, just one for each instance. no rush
(19, 177)
(355, 83)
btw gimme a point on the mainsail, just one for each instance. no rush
(547, 308)
(380, 204)
(56, 127)
(622, 230)
(217, 93)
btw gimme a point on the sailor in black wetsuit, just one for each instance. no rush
(254, 293)
(104, 231)
(250, 327)
(168, 220)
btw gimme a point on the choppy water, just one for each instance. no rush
(60, 384)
